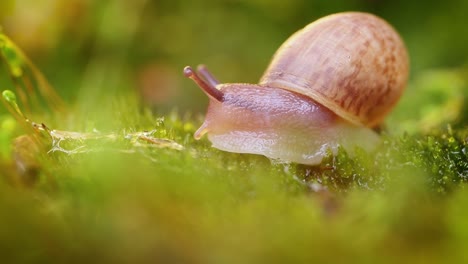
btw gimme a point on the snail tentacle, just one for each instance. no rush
(207, 87)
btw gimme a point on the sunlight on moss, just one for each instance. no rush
(200, 203)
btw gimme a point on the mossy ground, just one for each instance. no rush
(116, 197)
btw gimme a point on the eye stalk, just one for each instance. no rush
(207, 75)
(207, 83)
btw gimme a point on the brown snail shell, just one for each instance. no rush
(353, 63)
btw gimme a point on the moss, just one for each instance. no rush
(127, 200)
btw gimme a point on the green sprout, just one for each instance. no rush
(10, 98)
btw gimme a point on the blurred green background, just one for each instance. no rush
(89, 50)
(141, 204)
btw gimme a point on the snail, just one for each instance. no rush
(329, 85)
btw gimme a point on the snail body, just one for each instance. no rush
(327, 86)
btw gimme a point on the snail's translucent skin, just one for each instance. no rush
(259, 121)
(328, 85)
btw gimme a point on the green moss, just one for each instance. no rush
(123, 202)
